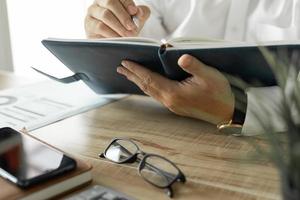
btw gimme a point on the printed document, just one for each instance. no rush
(40, 104)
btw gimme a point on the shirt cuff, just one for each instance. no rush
(263, 106)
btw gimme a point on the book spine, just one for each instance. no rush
(169, 61)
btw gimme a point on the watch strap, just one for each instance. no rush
(240, 107)
(235, 125)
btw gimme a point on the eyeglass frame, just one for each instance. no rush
(180, 177)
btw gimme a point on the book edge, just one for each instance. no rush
(226, 45)
(61, 187)
(206, 43)
(127, 40)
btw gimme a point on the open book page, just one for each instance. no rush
(135, 39)
(40, 104)
(126, 40)
(192, 40)
(146, 41)
(194, 43)
(180, 42)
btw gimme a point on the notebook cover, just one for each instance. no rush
(11, 191)
(99, 60)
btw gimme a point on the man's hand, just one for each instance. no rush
(206, 95)
(112, 18)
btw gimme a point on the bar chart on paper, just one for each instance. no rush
(37, 105)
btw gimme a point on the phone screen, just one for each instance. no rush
(25, 159)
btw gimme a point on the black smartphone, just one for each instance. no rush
(26, 161)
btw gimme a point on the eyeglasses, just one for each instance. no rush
(155, 169)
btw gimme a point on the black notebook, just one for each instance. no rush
(95, 61)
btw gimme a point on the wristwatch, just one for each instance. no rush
(234, 126)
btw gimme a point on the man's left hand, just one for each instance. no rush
(206, 95)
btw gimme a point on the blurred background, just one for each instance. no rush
(23, 24)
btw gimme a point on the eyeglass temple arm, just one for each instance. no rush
(169, 192)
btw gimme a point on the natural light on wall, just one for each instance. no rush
(33, 20)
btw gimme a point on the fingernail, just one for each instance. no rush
(119, 69)
(124, 63)
(132, 9)
(130, 26)
(186, 60)
(130, 33)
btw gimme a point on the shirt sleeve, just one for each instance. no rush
(154, 27)
(264, 105)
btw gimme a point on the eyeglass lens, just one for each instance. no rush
(155, 169)
(158, 171)
(120, 150)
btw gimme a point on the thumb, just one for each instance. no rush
(191, 65)
(142, 15)
(197, 68)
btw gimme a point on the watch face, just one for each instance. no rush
(231, 129)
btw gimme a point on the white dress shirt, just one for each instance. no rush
(233, 20)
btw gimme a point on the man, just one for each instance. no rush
(206, 95)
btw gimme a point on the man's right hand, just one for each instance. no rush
(113, 18)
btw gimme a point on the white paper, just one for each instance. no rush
(34, 106)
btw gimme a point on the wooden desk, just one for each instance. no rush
(216, 166)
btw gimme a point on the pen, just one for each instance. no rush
(136, 21)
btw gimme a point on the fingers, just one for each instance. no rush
(107, 17)
(119, 10)
(197, 68)
(98, 29)
(142, 15)
(147, 89)
(117, 16)
(191, 65)
(148, 77)
(130, 6)
(149, 82)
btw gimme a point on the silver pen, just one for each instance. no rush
(136, 21)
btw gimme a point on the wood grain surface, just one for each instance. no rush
(216, 166)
